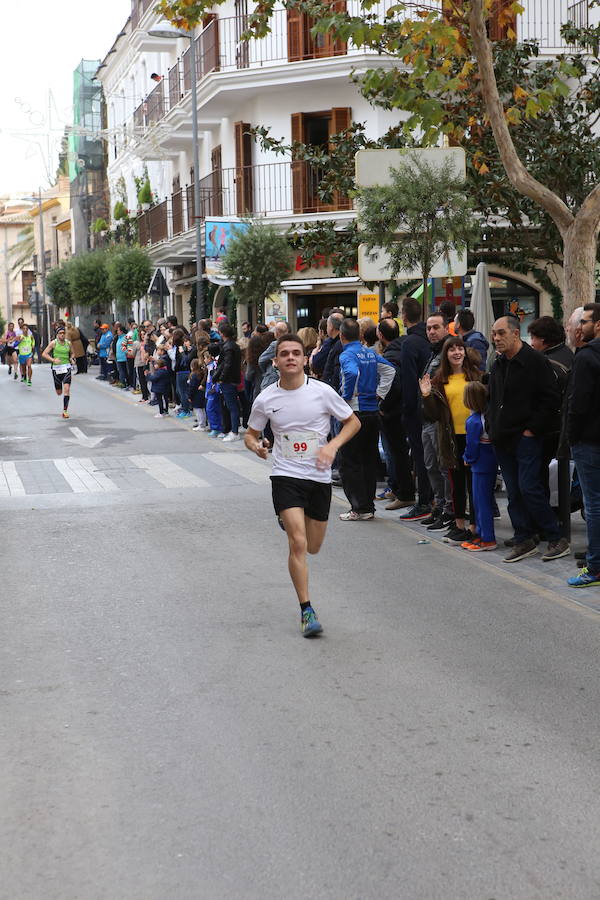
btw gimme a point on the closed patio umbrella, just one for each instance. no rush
(481, 303)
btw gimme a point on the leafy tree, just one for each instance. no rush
(129, 274)
(88, 279)
(21, 253)
(450, 81)
(430, 209)
(258, 258)
(58, 285)
(447, 61)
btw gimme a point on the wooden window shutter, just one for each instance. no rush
(216, 199)
(295, 34)
(502, 20)
(341, 119)
(298, 166)
(209, 44)
(340, 48)
(243, 168)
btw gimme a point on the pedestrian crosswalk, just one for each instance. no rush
(113, 474)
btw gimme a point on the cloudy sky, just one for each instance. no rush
(42, 43)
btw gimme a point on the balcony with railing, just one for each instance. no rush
(221, 49)
(281, 189)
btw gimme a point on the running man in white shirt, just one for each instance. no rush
(299, 410)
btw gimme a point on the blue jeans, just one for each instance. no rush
(587, 462)
(182, 390)
(229, 392)
(528, 506)
(122, 370)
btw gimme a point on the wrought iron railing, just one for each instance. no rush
(282, 188)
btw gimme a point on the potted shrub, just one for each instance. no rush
(100, 226)
(145, 195)
(120, 211)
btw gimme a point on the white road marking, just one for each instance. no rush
(241, 465)
(103, 481)
(76, 484)
(167, 472)
(80, 438)
(13, 482)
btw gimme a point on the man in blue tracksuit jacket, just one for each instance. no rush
(365, 378)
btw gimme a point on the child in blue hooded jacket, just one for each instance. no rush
(481, 457)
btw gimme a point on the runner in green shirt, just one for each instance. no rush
(25, 351)
(59, 353)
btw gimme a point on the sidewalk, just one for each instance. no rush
(530, 573)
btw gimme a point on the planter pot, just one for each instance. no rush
(145, 207)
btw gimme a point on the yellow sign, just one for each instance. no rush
(368, 305)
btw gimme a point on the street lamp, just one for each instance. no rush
(169, 34)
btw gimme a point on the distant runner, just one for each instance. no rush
(25, 350)
(299, 410)
(58, 352)
(11, 342)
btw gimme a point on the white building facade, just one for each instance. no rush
(298, 87)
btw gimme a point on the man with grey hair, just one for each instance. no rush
(265, 360)
(573, 329)
(524, 408)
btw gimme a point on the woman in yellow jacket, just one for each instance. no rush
(443, 403)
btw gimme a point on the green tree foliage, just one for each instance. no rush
(21, 253)
(258, 258)
(129, 273)
(88, 279)
(428, 206)
(58, 285)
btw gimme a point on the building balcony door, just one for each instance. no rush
(316, 130)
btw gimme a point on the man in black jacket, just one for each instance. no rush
(392, 431)
(229, 374)
(583, 426)
(414, 356)
(524, 407)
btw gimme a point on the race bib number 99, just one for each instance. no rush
(299, 444)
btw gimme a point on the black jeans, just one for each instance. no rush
(142, 381)
(460, 479)
(131, 373)
(359, 461)
(412, 427)
(401, 479)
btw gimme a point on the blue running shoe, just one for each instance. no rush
(584, 579)
(310, 624)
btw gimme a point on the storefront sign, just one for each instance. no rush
(276, 308)
(368, 305)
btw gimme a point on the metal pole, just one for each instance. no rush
(43, 260)
(381, 296)
(200, 306)
(7, 277)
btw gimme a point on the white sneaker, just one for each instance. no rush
(223, 436)
(158, 415)
(229, 438)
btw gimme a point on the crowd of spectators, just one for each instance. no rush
(443, 411)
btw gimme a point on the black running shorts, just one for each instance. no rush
(314, 497)
(60, 379)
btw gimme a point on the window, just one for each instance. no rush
(302, 44)
(316, 129)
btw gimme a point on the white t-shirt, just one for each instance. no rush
(300, 420)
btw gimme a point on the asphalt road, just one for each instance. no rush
(166, 731)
